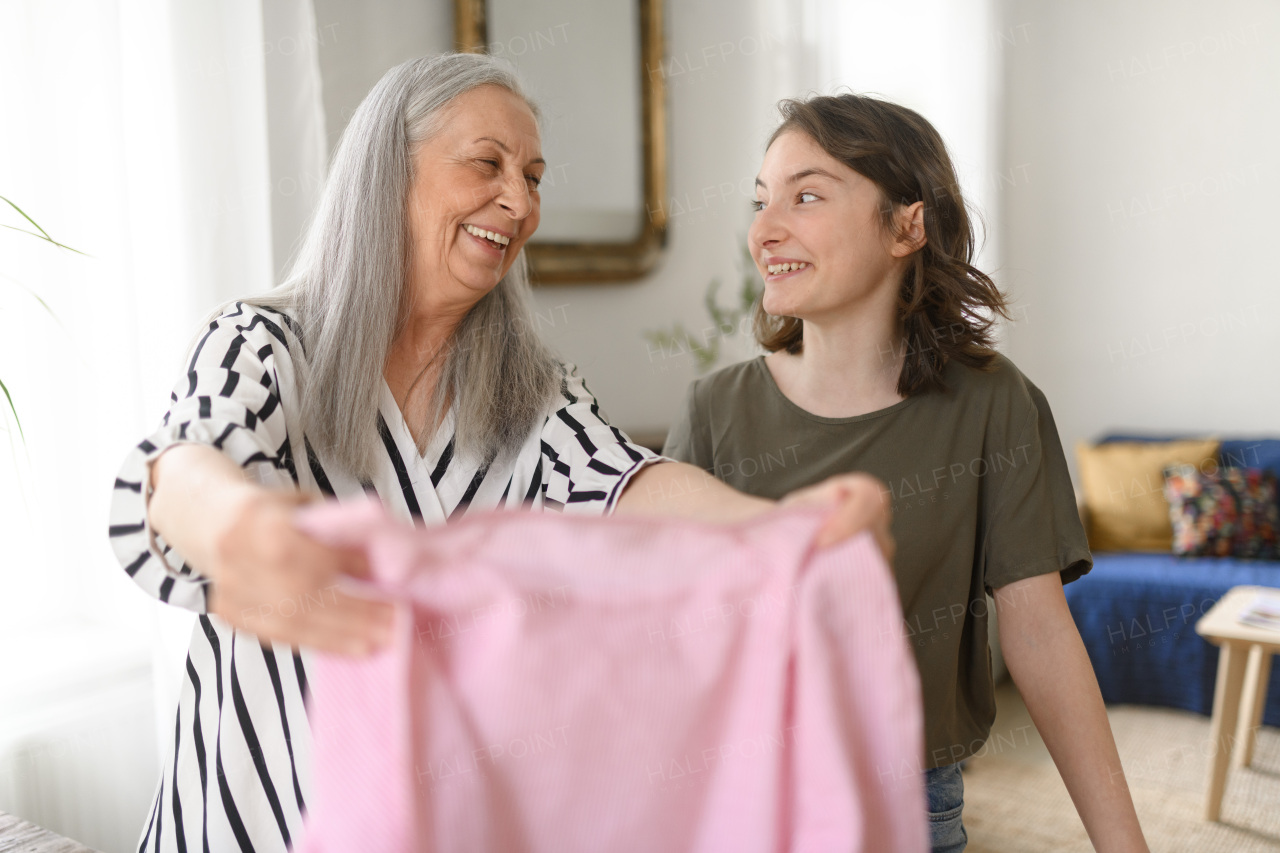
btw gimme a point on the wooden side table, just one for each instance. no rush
(1244, 667)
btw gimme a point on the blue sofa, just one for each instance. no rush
(1137, 612)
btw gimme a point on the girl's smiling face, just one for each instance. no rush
(818, 238)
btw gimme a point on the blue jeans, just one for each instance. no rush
(944, 790)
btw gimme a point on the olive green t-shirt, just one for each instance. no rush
(980, 493)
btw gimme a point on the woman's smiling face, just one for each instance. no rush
(474, 200)
(817, 237)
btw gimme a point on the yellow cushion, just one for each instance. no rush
(1123, 486)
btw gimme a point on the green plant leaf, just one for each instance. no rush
(35, 296)
(752, 286)
(46, 239)
(713, 307)
(14, 410)
(749, 293)
(28, 218)
(43, 235)
(707, 352)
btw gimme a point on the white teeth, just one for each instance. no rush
(487, 235)
(774, 269)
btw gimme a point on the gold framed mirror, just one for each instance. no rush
(596, 70)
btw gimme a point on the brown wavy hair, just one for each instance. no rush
(946, 305)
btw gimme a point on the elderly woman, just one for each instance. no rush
(396, 360)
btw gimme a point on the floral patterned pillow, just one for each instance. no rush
(1229, 512)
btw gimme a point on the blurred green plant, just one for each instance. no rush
(39, 234)
(676, 340)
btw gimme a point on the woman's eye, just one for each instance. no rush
(757, 205)
(534, 180)
(492, 164)
(805, 198)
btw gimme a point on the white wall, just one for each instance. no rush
(360, 41)
(1138, 233)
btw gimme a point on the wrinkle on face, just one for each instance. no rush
(476, 169)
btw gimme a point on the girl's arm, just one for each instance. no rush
(1049, 665)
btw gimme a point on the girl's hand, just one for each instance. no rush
(274, 581)
(860, 503)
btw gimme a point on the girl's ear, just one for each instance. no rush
(911, 237)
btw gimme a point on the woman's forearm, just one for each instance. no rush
(680, 489)
(198, 493)
(854, 503)
(1049, 664)
(242, 537)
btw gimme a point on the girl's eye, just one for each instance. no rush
(757, 205)
(805, 198)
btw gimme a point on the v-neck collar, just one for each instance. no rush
(419, 465)
(404, 436)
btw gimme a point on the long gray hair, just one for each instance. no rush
(348, 287)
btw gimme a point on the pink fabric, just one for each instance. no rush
(575, 684)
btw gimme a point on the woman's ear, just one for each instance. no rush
(911, 237)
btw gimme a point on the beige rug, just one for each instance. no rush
(1015, 801)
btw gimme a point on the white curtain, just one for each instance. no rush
(137, 132)
(941, 58)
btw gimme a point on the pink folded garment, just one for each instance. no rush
(576, 684)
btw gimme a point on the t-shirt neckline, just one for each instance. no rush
(772, 384)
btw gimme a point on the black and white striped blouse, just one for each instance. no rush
(238, 775)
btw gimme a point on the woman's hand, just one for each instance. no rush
(859, 504)
(266, 576)
(276, 582)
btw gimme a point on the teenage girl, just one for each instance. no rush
(880, 358)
